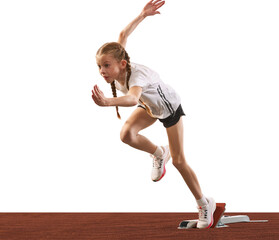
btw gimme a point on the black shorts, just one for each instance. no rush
(172, 119)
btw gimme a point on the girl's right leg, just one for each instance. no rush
(129, 134)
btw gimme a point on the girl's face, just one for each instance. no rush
(109, 68)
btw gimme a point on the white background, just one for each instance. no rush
(61, 152)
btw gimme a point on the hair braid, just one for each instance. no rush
(128, 69)
(129, 72)
(113, 88)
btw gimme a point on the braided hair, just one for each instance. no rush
(119, 53)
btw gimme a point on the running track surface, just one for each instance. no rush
(130, 226)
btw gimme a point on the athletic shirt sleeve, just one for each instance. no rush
(139, 78)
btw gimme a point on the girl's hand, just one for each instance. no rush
(151, 8)
(99, 97)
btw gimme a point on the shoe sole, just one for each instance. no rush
(164, 172)
(212, 218)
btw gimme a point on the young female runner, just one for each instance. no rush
(156, 100)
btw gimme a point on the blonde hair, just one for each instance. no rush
(119, 53)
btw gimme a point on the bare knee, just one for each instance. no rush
(179, 161)
(127, 135)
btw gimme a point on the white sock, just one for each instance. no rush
(159, 152)
(202, 202)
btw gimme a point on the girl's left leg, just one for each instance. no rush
(175, 136)
(207, 206)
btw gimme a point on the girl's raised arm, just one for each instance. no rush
(150, 9)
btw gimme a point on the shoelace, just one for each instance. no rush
(202, 213)
(157, 162)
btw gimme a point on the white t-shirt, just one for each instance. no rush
(162, 100)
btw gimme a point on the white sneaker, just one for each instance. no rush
(206, 214)
(159, 169)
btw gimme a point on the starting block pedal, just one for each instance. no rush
(220, 209)
(219, 220)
